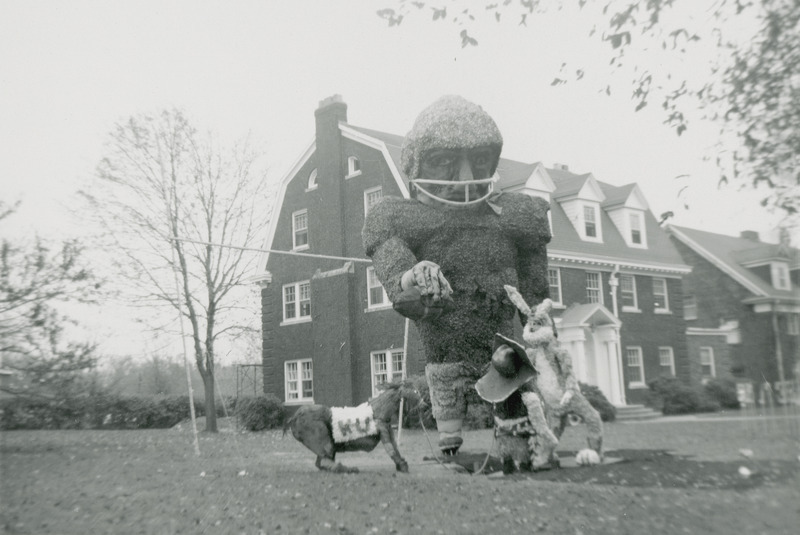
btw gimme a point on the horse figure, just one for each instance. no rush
(327, 431)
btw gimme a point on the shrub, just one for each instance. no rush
(598, 400)
(723, 391)
(260, 412)
(674, 397)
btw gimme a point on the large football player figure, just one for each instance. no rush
(458, 241)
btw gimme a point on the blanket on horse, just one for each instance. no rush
(351, 423)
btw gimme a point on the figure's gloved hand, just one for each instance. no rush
(428, 277)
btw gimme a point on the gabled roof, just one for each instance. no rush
(629, 195)
(660, 255)
(728, 253)
(588, 314)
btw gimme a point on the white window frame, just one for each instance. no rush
(595, 219)
(353, 166)
(690, 307)
(635, 306)
(312, 180)
(557, 285)
(293, 381)
(298, 288)
(371, 277)
(637, 217)
(367, 193)
(636, 362)
(295, 216)
(387, 374)
(779, 272)
(665, 353)
(599, 288)
(707, 350)
(666, 309)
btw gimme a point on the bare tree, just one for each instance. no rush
(164, 194)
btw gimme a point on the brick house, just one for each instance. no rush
(742, 310)
(330, 334)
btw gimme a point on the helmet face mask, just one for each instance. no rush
(457, 177)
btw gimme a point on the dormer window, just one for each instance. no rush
(636, 222)
(312, 180)
(589, 222)
(353, 167)
(780, 276)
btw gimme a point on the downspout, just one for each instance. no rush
(613, 282)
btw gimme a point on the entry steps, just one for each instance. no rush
(636, 412)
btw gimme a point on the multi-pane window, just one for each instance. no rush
(594, 287)
(635, 366)
(707, 363)
(636, 229)
(554, 279)
(297, 301)
(590, 221)
(660, 297)
(300, 229)
(666, 360)
(690, 307)
(371, 198)
(627, 286)
(387, 366)
(376, 295)
(299, 376)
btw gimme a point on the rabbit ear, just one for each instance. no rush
(517, 299)
(544, 307)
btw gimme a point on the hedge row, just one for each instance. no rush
(126, 412)
(671, 396)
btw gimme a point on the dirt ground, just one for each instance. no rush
(672, 475)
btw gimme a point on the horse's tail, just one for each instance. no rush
(288, 423)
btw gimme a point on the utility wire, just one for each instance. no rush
(291, 253)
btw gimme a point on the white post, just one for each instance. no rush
(405, 352)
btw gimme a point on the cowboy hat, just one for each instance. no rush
(510, 369)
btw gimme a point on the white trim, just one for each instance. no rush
(671, 358)
(300, 399)
(643, 381)
(278, 204)
(598, 227)
(599, 288)
(713, 363)
(560, 301)
(297, 318)
(776, 269)
(312, 184)
(385, 303)
(635, 306)
(351, 167)
(375, 143)
(307, 244)
(554, 255)
(642, 229)
(718, 263)
(390, 371)
(665, 309)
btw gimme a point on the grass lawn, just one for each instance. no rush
(674, 476)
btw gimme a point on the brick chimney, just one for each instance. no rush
(331, 169)
(751, 235)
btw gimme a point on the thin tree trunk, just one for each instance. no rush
(211, 406)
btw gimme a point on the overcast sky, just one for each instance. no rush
(70, 70)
